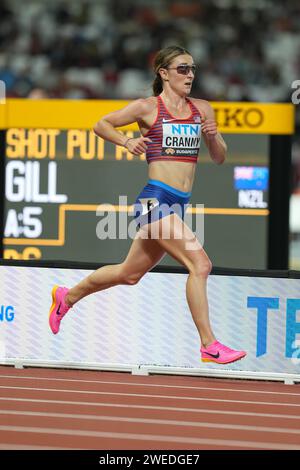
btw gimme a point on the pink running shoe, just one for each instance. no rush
(221, 354)
(58, 308)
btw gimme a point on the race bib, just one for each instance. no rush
(180, 139)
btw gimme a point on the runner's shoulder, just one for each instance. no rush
(146, 105)
(204, 106)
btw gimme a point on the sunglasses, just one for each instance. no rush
(184, 69)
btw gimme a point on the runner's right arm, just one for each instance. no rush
(133, 112)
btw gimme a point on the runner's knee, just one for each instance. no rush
(200, 266)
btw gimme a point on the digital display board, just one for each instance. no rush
(56, 178)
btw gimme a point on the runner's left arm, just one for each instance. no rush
(214, 141)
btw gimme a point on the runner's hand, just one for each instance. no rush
(137, 146)
(210, 128)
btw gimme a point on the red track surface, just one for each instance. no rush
(71, 409)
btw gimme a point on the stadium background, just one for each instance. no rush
(246, 51)
(82, 52)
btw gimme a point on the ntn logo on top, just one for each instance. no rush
(182, 129)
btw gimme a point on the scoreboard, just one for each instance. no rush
(63, 183)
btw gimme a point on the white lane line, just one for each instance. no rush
(151, 407)
(142, 395)
(141, 384)
(163, 422)
(151, 437)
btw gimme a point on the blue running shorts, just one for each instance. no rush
(157, 200)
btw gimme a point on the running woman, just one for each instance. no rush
(170, 125)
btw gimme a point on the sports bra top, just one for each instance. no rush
(174, 138)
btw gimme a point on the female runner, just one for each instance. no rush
(170, 124)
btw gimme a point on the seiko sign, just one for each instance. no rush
(232, 117)
(239, 117)
(255, 118)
